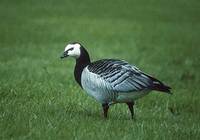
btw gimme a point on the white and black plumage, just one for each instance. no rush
(111, 81)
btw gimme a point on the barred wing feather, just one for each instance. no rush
(120, 75)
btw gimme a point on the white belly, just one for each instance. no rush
(130, 96)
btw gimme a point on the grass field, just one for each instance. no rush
(39, 98)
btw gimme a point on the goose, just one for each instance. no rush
(111, 81)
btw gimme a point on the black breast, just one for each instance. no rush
(81, 63)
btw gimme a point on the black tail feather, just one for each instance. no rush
(159, 86)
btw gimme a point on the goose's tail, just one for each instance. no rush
(159, 86)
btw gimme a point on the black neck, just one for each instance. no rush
(81, 63)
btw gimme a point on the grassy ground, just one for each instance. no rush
(39, 98)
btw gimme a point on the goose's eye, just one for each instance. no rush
(70, 49)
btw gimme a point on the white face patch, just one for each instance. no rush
(73, 50)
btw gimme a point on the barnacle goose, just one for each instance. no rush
(111, 81)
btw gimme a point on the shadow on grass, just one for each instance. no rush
(75, 110)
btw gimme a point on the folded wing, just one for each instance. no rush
(121, 76)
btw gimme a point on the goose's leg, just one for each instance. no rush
(130, 106)
(105, 109)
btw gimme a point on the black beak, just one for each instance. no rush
(64, 55)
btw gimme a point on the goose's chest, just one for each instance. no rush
(95, 86)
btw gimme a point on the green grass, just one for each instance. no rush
(39, 98)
